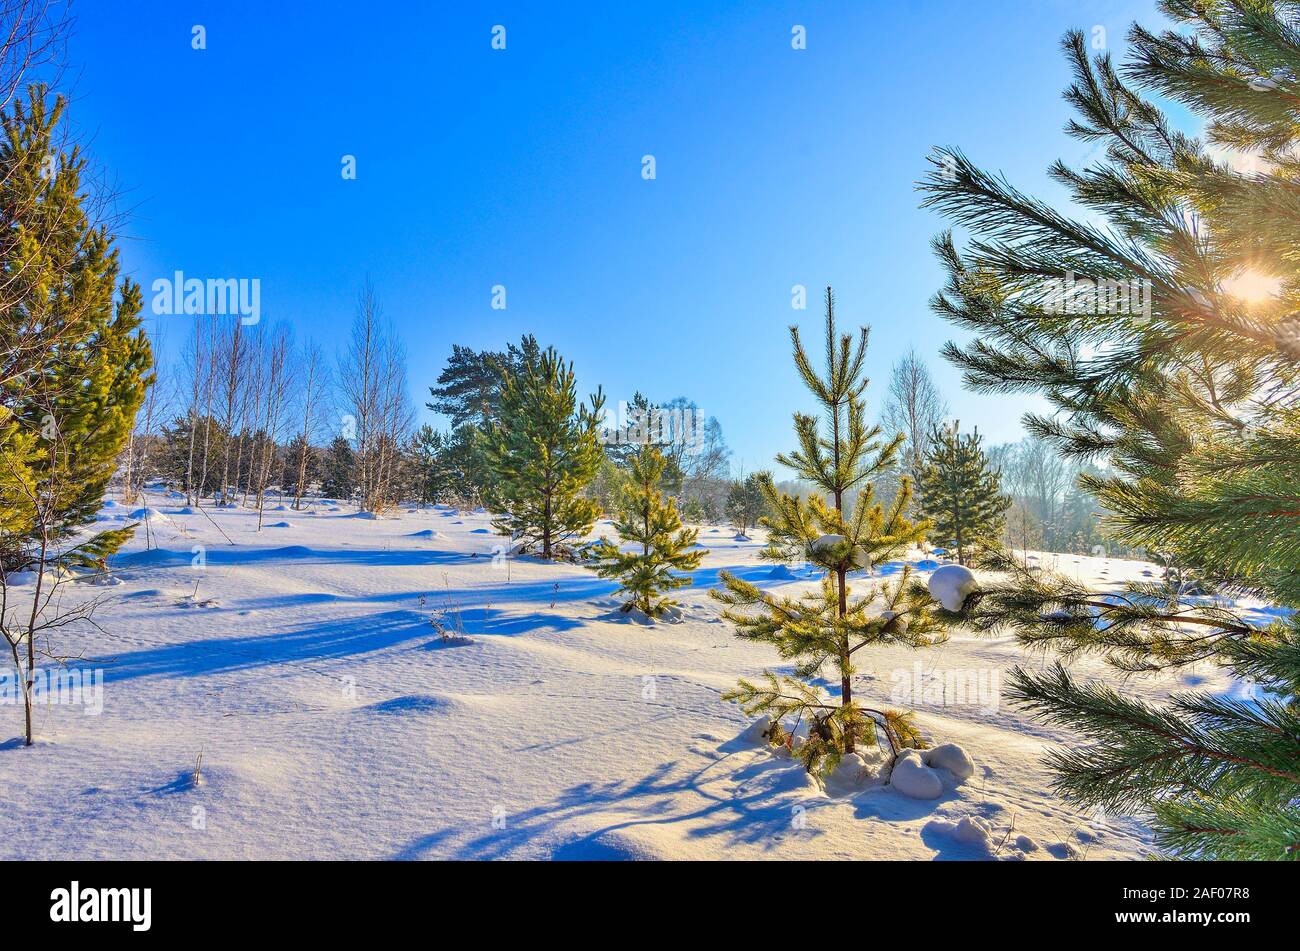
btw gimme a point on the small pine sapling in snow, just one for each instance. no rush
(828, 627)
(75, 367)
(649, 520)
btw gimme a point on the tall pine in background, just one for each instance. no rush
(649, 520)
(1167, 341)
(542, 452)
(468, 392)
(960, 494)
(827, 628)
(73, 374)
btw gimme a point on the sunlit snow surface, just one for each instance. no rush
(333, 720)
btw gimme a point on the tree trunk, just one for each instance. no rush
(26, 680)
(27, 708)
(846, 685)
(546, 530)
(846, 698)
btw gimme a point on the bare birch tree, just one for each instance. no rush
(233, 369)
(914, 407)
(277, 377)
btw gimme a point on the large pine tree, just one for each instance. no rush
(828, 627)
(541, 453)
(468, 392)
(73, 372)
(960, 494)
(1165, 340)
(648, 520)
(469, 387)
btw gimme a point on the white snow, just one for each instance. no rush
(913, 778)
(859, 559)
(951, 757)
(971, 829)
(951, 584)
(334, 722)
(148, 514)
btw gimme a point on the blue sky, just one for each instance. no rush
(522, 167)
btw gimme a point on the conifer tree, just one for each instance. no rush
(960, 494)
(651, 521)
(427, 451)
(1166, 342)
(469, 387)
(828, 627)
(468, 392)
(336, 470)
(300, 467)
(74, 374)
(541, 453)
(746, 502)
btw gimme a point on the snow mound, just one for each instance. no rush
(1025, 844)
(971, 829)
(740, 537)
(448, 640)
(632, 616)
(609, 845)
(109, 504)
(913, 778)
(147, 514)
(413, 703)
(425, 533)
(757, 733)
(951, 757)
(184, 511)
(293, 551)
(951, 584)
(368, 516)
(968, 830)
(855, 772)
(781, 573)
(280, 525)
(154, 556)
(916, 772)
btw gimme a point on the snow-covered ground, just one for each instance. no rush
(297, 668)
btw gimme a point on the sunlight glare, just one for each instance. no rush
(1252, 287)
